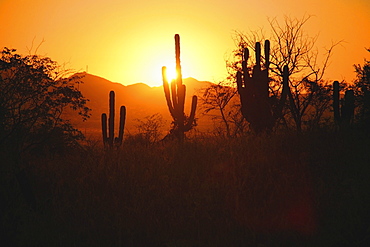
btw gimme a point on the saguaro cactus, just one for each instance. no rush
(108, 136)
(256, 105)
(343, 109)
(175, 98)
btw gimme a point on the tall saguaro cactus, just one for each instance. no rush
(256, 105)
(108, 136)
(343, 109)
(175, 98)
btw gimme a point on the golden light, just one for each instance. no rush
(129, 41)
(171, 73)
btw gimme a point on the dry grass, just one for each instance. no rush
(271, 190)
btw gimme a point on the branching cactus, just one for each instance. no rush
(108, 134)
(175, 98)
(343, 109)
(257, 107)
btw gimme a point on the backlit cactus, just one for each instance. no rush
(257, 107)
(108, 135)
(175, 98)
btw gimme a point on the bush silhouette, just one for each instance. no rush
(33, 97)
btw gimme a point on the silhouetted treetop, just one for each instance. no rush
(34, 94)
(362, 91)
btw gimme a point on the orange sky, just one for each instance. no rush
(129, 41)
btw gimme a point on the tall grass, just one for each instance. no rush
(281, 189)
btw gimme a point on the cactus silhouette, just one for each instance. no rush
(175, 98)
(257, 107)
(343, 109)
(108, 136)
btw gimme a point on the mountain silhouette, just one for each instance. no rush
(140, 101)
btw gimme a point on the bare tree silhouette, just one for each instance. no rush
(217, 98)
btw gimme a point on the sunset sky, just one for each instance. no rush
(129, 41)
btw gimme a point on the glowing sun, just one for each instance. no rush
(170, 73)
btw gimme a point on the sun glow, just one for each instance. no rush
(171, 73)
(129, 41)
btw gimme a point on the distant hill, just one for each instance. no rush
(140, 101)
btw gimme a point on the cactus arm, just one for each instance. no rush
(181, 97)
(122, 121)
(239, 82)
(336, 107)
(111, 118)
(166, 89)
(242, 78)
(165, 79)
(192, 113)
(246, 55)
(348, 107)
(243, 94)
(246, 75)
(286, 89)
(178, 64)
(258, 55)
(104, 127)
(284, 93)
(174, 99)
(267, 54)
(180, 87)
(343, 113)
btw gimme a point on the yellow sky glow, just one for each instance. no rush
(130, 41)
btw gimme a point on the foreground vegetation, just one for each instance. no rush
(283, 189)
